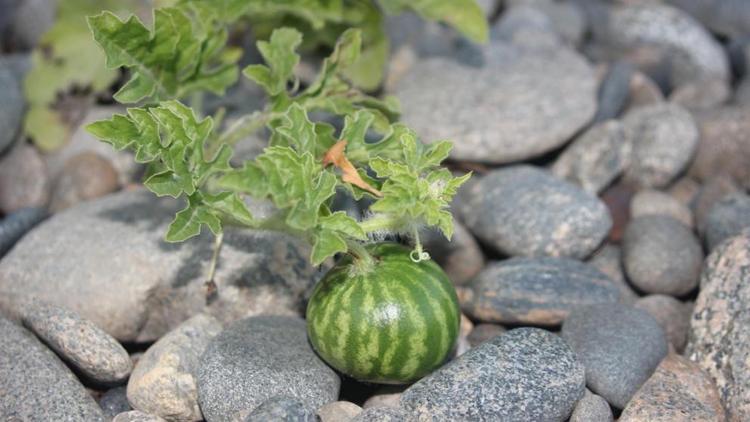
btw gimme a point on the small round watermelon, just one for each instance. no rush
(392, 325)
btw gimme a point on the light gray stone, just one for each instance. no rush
(257, 358)
(106, 260)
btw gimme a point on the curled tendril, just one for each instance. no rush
(418, 255)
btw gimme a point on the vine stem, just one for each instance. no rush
(218, 242)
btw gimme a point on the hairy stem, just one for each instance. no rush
(244, 127)
(363, 261)
(382, 222)
(218, 242)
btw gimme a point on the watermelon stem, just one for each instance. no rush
(363, 261)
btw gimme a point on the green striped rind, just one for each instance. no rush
(393, 325)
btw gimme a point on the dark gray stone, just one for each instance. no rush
(727, 218)
(672, 315)
(93, 352)
(592, 408)
(727, 17)
(664, 139)
(614, 91)
(526, 25)
(596, 158)
(536, 291)
(523, 210)
(36, 385)
(532, 101)
(565, 19)
(282, 409)
(525, 374)
(719, 339)
(608, 260)
(11, 105)
(164, 381)
(257, 358)
(127, 280)
(661, 255)
(24, 180)
(711, 191)
(620, 346)
(114, 402)
(14, 226)
(381, 414)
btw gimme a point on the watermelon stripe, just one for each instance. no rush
(392, 325)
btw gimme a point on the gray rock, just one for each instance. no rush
(596, 158)
(643, 92)
(719, 339)
(114, 402)
(388, 396)
(668, 36)
(128, 281)
(727, 218)
(614, 91)
(664, 139)
(592, 408)
(339, 411)
(24, 180)
(81, 141)
(461, 258)
(684, 190)
(727, 17)
(164, 381)
(654, 202)
(93, 352)
(608, 260)
(536, 291)
(526, 26)
(36, 385)
(282, 409)
(711, 191)
(11, 105)
(258, 358)
(84, 177)
(528, 105)
(523, 210)
(525, 374)
(678, 391)
(381, 414)
(566, 19)
(620, 346)
(483, 332)
(661, 255)
(700, 95)
(672, 315)
(16, 225)
(137, 416)
(724, 146)
(32, 19)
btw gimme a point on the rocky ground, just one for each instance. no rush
(601, 257)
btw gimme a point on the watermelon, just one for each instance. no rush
(392, 325)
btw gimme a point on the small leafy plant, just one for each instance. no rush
(306, 163)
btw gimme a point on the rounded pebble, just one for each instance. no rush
(661, 255)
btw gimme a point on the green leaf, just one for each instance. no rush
(329, 238)
(464, 15)
(183, 54)
(188, 222)
(231, 206)
(294, 181)
(280, 54)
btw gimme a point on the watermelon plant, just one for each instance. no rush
(384, 313)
